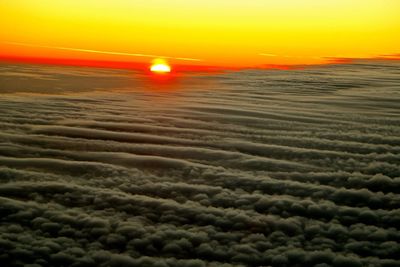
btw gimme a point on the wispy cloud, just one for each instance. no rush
(267, 55)
(391, 55)
(101, 51)
(285, 56)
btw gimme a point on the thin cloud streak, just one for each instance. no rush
(102, 52)
(267, 55)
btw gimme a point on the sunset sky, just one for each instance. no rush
(209, 32)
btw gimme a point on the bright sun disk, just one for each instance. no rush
(160, 66)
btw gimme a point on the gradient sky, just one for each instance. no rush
(209, 32)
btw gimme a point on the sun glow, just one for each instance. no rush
(160, 66)
(204, 33)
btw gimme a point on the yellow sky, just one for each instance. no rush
(218, 32)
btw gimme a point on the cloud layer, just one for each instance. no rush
(252, 168)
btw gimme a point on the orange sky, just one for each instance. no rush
(232, 33)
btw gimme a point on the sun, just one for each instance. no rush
(160, 66)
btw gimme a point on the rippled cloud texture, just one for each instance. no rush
(251, 168)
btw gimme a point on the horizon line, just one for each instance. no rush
(178, 67)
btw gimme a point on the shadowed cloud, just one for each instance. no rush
(248, 168)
